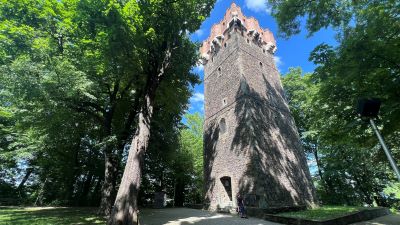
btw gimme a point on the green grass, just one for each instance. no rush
(48, 216)
(324, 213)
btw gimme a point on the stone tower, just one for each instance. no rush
(251, 144)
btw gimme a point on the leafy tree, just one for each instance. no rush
(78, 80)
(188, 165)
(346, 174)
(362, 65)
(168, 53)
(173, 163)
(302, 94)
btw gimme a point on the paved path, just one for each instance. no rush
(184, 216)
(392, 219)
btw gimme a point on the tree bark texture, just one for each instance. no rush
(318, 163)
(110, 166)
(108, 187)
(179, 197)
(125, 210)
(26, 177)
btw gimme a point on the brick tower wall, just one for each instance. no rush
(249, 134)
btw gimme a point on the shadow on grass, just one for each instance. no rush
(39, 215)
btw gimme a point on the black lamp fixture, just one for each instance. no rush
(368, 109)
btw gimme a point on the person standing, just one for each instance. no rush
(241, 209)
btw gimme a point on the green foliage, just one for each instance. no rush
(39, 216)
(191, 150)
(175, 162)
(319, 14)
(323, 213)
(73, 75)
(393, 189)
(345, 171)
(352, 168)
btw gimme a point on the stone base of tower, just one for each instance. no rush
(255, 211)
(257, 154)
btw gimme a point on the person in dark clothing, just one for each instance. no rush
(241, 210)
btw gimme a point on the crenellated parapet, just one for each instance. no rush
(235, 21)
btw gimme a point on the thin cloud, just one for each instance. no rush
(278, 62)
(258, 6)
(197, 97)
(197, 103)
(199, 68)
(199, 33)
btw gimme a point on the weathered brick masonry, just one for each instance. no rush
(251, 141)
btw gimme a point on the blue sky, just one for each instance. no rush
(291, 52)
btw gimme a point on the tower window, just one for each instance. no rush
(261, 64)
(222, 126)
(263, 50)
(248, 41)
(219, 70)
(224, 102)
(225, 45)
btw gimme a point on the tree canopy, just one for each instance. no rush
(351, 164)
(74, 77)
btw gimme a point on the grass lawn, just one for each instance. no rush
(323, 213)
(48, 216)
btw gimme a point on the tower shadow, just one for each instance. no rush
(277, 175)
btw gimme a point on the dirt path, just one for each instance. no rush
(184, 216)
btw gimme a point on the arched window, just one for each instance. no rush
(224, 102)
(222, 126)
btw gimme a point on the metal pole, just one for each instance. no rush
(385, 148)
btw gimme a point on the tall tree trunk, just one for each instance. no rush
(40, 194)
(179, 191)
(108, 187)
(26, 177)
(125, 211)
(83, 200)
(110, 164)
(94, 194)
(319, 166)
(315, 151)
(325, 183)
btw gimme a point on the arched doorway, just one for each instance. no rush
(227, 183)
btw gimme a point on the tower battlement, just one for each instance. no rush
(235, 21)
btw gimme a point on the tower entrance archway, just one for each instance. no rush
(227, 183)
